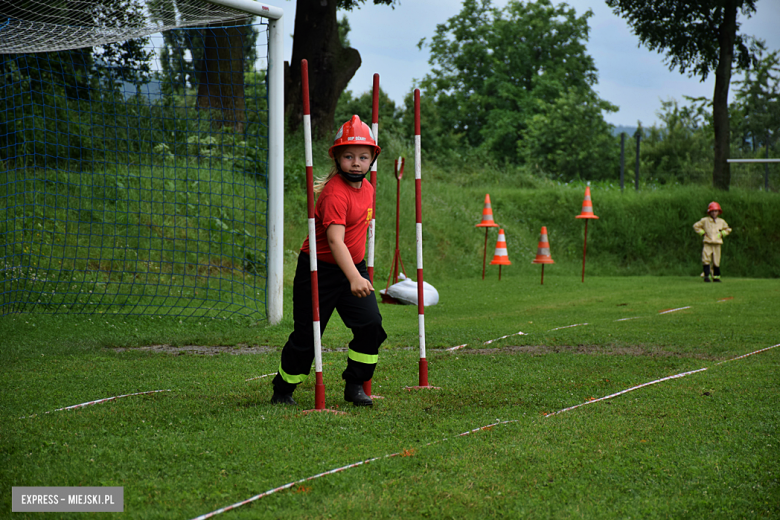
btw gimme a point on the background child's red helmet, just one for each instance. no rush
(714, 206)
(354, 132)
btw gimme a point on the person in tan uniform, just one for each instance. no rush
(712, 229)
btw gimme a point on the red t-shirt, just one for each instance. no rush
(340, 203)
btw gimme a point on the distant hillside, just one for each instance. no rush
(629, 130)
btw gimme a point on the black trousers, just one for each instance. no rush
(361, 315)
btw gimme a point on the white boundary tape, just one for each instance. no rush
(626, 319)
(568, 326)
(676, 376)
(488, 342)
(98, 401)
(260, 377)
(481, 428)
(457, 347)
(667, 311)
(338, 470)
(750, 354)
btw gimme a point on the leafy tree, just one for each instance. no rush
(331, 64)
(496, 72)
(569, 136)
(698, 37)
(680, 150)
(756, 108)
(218, 59)
(389, 115)
(221, 76)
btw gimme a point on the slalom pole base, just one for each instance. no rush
(319, 397)
(423, 378)
(326, 410)
(367, 390)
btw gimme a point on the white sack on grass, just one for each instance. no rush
(405, 292)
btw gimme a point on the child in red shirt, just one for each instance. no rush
(342, 216)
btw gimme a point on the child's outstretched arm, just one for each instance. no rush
(359, 286)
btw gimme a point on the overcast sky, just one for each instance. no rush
(630, 77)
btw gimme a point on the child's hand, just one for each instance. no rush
(361, 287)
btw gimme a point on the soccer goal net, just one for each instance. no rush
(140, 157)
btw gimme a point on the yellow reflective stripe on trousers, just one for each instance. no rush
(368, 359)
(293, 380)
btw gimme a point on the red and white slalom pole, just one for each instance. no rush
(319, 385)
(423, 379)
(372, 224)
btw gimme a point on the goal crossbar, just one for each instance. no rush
(753, 160)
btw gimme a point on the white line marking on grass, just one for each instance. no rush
(626, 319)
(667, 311)
(260, 377)
(626, 391)
(289, 485)
(98, 401)
(481, 428)
(676, 376)
(750, 354)
(521, 333)
(568, 326)
(403, 453)
(457, 347)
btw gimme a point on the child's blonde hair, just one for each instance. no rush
(320, 182)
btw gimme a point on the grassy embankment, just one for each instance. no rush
(189, 237)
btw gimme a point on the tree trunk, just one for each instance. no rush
(721, 174)
(331, 66)
(221, 80)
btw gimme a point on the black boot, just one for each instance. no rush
(706, 272)
(280, 398)
(716, 273)
(354, 394)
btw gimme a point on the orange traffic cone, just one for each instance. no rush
(487, 223)
(587, 213)
(587, 206)
(543, 251)
(487, 215)
(500, 257)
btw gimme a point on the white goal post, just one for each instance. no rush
(274, 295)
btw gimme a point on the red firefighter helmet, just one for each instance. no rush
(354, 132)
(714, 206)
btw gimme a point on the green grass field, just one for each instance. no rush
(701, 446)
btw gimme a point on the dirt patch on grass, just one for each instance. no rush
(539, 350)
(201, 350)
(533, 350)
(236, 350)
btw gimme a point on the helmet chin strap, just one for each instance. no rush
(354, 177)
